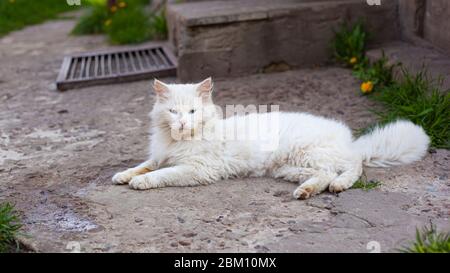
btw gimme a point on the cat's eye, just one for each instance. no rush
(192, 111)
(173, 111)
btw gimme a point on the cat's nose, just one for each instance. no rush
(182, 123)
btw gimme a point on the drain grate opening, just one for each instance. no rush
(115, 66)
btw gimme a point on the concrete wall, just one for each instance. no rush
(426, 19)
(411, 15)
(269, 36)
(437, 24)
(232, 38)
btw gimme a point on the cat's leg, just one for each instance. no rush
(182, 175)
(126, 176)
(346, 179)
(316, 181)
(314, 185)
(291, 173)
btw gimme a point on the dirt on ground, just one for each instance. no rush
(58, 151)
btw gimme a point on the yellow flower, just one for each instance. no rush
(122, 4)
(353, 60)
(113, 9)
(367, 87)
(12, 1)
(108, 22)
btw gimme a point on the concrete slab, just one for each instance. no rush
(232, 38)
(222, 12)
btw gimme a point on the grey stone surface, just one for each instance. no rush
(222, 12)
(359, 220)
(437, 24)
(414, 58)
(230, 38)
(426, 19)
(58, 152)
(411, 17)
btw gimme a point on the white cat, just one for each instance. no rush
(188, 147)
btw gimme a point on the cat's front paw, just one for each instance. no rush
(303, 192)
(121, 178)
(143, 182)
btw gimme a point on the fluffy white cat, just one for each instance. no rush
(189, 145)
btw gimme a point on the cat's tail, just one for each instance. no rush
(397, 143)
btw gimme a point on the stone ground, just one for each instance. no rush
(58, 152)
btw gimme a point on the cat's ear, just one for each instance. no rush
(161, 89)
(204, 89)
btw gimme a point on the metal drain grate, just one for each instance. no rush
(115, 66)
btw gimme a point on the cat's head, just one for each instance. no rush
(183, 108)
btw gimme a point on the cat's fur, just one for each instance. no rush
(317, 152)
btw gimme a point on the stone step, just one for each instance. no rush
(415, 57)
(231, 38)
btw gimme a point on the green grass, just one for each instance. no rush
(428, 240)
(16, 14)
(125, 25)
(9, 227)
(129, 26)
(350, 42)
(92, 22)
(419, 99)
(416, 97)
(380, 73)
(158, 25)
(349, 46)
(363, 184)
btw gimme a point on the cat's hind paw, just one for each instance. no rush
(121, 178)
(337, 187)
